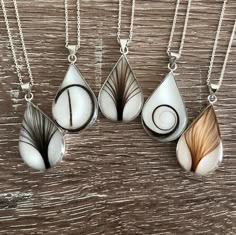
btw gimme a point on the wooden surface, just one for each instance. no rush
(114, 179)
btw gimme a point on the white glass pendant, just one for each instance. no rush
(200, 147)
(75, 105)
(41, 143)
(164, 115)
(121, 97)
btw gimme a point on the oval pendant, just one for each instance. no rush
(41, 143)
(121, 97)
(200, 148)
(164, 116)
(75, 105)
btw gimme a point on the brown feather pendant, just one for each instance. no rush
(200, 148)
(121, 97)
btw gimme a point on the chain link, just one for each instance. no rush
(131, 22)
(227, 54)
(184, 29)
(67, 24)
(215, 43)
(212, 87)
(18, 67)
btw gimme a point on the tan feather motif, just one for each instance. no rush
(203, 136)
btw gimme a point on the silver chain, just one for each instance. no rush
(18, 67)
(178, 54)
(131, 23)
(67, 24)
(215, 87)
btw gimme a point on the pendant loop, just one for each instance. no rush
(29, 96)
(172, 67)
(124, 46)
(72, 58)
(212, 98)
(26, 88)
(173, 57)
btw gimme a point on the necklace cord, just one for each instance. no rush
(215, 44)
(67, 24)
(25, 86)
(178, 54)
(227, 54)
(131, 22)
(213, 88)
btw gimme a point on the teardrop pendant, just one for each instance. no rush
(41, 143)
(164, 116)
(75, 106)
(121, 97)
(200, 148)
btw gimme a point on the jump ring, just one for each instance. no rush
(72, 58)
(212, 98)
(125, 51)
(171, 68)
(29, 96)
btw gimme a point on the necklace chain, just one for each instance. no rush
(18, 67)
(131, 23)
(211, 86)
(67, 24)
(184, 29)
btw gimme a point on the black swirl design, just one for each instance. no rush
(121, 86)
(37, 130)
(92, 113)
(164, 132)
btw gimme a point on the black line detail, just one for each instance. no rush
(70, 108)
(92, 111)
(164, 135)
(37, 130)
(121, 86)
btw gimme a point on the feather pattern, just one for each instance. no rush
(38, 131)
(201, 141)
(121, 87)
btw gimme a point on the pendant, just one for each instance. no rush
(75, 105)
(200, 148)
(41, 143)
(121, 98)
(164, 116)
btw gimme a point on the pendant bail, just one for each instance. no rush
(26, 87)
(124, 46)
(173, 57)
(214, 87)
(72, 50)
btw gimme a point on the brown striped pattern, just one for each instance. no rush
(203, 136)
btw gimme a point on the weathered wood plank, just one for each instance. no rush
(114, 179)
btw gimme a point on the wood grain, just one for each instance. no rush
(114, 179)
